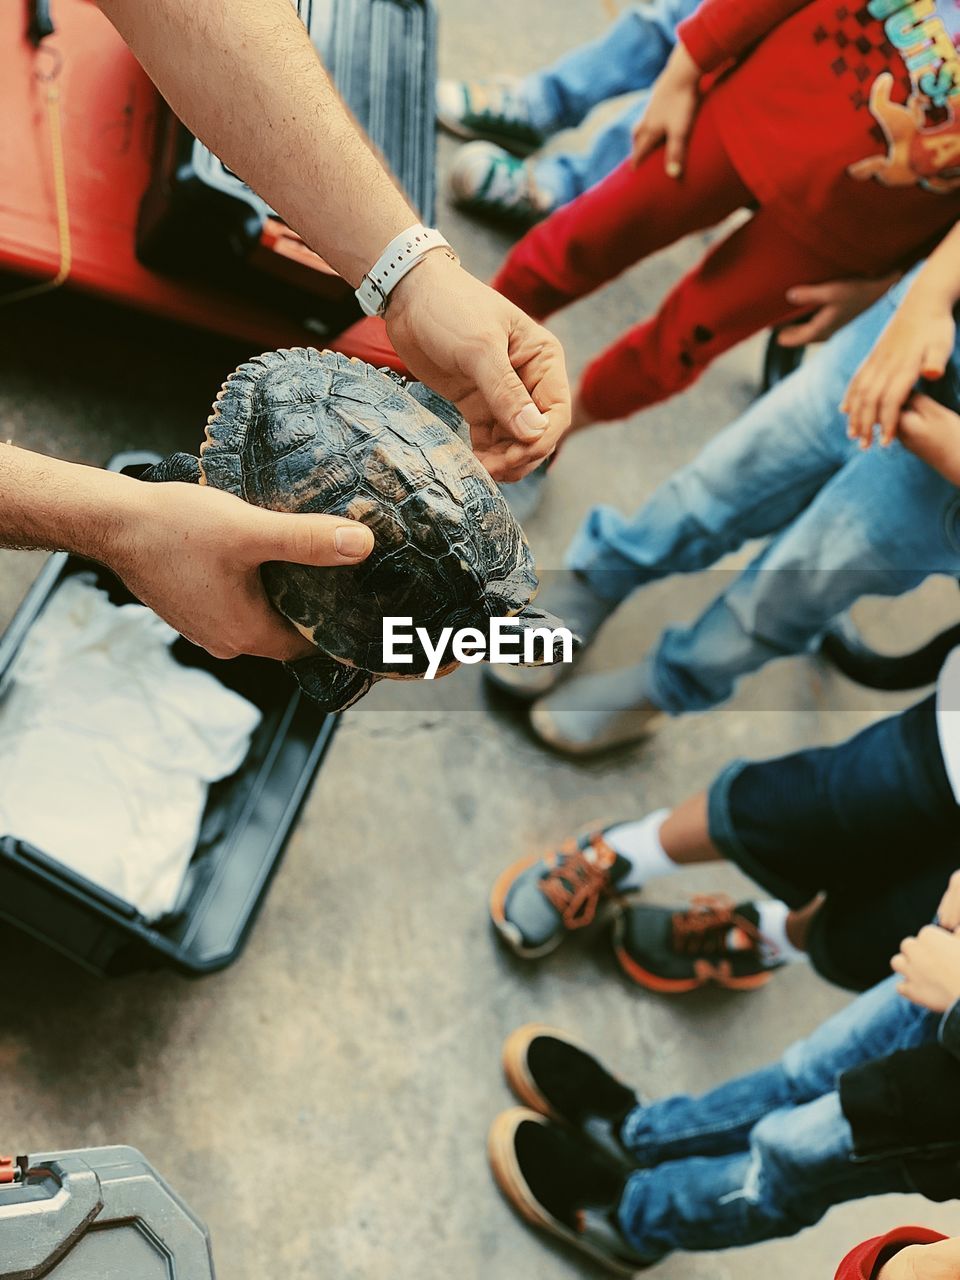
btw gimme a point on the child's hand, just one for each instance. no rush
(948, 915)
(939, 1261)
(917, 343)
(670, 113)
(930, 967)
(932, 432)
(834, 304)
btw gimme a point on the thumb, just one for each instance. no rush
(309, 539)
(507, 399)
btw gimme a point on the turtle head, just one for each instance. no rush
(542, 636)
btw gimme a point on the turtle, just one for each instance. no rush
(303, 430)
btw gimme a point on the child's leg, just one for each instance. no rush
(736, 290)
(631, 214)
(629, 56)
(722, 1120)
(799, 1165)
(562, 176)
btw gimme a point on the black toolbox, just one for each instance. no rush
(246, 824)
(198, 218)
(94, 1215)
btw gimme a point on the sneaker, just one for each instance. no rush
(560, 1183)
(553, 1075)
(493, 109)
(487, 180)
(714, 940)
(597, 713)
(540, 900)
(570, 597)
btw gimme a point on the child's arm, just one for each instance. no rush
(918, 342)
(722, 31)
(935, 1261)
(833, 305)
(929, 966)
(932, 432)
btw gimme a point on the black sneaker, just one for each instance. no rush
(714, 940)
(549, 1072)
(559, 1182)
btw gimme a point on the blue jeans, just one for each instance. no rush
(769, 1153)
(843, 524)
(627, 58)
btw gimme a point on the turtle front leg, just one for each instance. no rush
(332, 685)
(542, 635)
(181, 467)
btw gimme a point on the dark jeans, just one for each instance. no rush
(872, 823)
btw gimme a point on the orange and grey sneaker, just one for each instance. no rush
(713, 940)
(557, 1181)
(542, 899)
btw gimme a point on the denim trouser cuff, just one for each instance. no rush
(723, 833)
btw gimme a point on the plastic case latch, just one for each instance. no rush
(9, 1170)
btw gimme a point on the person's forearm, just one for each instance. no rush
(61, 506)
(937, 283)
(245, 78)
(722, 31)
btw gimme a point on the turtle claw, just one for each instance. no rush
(332, 685)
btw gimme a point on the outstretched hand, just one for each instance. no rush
(929, 966)
(504, 372)
(833, 305)
(917, 343)
(193, 554)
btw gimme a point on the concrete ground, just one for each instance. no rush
(324, 1103)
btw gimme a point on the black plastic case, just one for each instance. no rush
(198, 217)
(94, 1214)
(247, 821)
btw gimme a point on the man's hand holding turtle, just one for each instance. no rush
(504, 372)
(193, 553)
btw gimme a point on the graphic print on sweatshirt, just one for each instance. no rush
(916, 112)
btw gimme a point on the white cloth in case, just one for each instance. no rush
(108, 745)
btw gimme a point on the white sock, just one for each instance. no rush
(773, 927)
(639, 843)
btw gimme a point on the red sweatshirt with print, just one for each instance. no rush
(841, 116)
(865, 1261)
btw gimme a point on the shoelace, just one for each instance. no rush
(704, 928)
(497, 101)
(508, 184)
(579, 880)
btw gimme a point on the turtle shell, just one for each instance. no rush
(305, 431)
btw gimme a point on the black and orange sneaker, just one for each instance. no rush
(713, 940)
(542, 899)
(557, 1181)
(548, 1071)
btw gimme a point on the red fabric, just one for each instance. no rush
(367, 340)
(862, 1263)
(736, 290)
(823, 90)
(722, 31)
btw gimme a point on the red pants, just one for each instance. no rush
(738, 288)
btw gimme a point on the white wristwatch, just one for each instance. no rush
(401, 255)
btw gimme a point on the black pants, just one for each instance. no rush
(872, 823)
